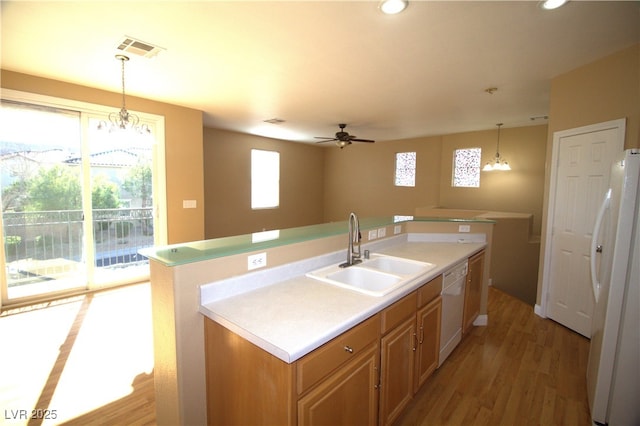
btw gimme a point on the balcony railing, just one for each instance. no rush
(118, 234)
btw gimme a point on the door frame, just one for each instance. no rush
(159, 179)
(620, 126)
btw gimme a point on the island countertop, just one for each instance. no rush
(291, 317)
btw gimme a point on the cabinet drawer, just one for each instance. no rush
(316, 365)
(429, 291)
(398, 312)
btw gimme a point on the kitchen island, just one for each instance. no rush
(183, 291)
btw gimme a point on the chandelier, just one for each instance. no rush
(497, 163)
(123, 119)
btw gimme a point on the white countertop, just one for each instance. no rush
(295, 315)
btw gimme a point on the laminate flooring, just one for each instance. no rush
(87, 360)
(91, 360)
(519, 370)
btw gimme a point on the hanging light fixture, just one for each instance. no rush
(123, 119)
(497, 163)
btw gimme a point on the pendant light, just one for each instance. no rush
(123, 119)
(497, 163)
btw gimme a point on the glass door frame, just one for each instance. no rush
(87, 111)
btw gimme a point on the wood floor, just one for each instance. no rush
(519, 370)
(91, 361)
(88, 361)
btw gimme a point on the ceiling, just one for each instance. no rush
(315, 64)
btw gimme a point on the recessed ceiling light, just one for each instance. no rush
(552, 4)
(391, 7)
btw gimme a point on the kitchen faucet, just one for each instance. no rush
(353, 256)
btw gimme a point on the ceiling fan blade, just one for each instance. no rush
(363, 140)
(324, 137)
(328, 140)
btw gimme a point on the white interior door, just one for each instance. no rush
(582, 161)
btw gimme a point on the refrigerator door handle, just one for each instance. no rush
(595, 247)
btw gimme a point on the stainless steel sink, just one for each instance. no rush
(376, 276)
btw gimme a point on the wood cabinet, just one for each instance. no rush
(347, 397)
(428, 323)
(473, 291)
(246, 385)
(366, 375)
(397, 354)
(335, 384)
(409, 347)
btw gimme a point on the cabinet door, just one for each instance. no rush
(428, 321)
(473, 291)
(347, 397)
(397, 351)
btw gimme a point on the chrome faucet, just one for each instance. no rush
(353, 251)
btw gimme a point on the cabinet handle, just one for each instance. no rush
(415, 338)
(348, 349)
(421, 333)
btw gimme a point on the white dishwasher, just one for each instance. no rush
(452, 308)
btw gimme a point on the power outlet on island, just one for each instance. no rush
(464, 228)
(256, 261)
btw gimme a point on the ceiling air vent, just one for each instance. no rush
(139, 48)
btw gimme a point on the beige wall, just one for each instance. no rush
(183, 145)
(333, 182)
(227, 157)
(360, 178)
(519, 190)
(604, 90)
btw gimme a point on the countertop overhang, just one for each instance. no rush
(197, 251)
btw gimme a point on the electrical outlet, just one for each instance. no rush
(397, 229)
(256, 261)
(189, 204)
(464, 228)
(382, 232)
(373, 234)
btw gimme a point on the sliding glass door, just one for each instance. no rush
(77, 202)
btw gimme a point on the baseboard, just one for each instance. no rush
(537, 309)
(481, 320)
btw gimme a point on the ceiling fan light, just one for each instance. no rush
(391, 7)
(487, 167)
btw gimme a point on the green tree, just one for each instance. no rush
(55, 188)
(58, 188)
(138, 183)
(104, 194)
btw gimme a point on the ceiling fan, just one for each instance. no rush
(343, 138)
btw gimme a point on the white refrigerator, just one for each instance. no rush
(613, 372)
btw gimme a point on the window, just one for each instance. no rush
(405, 169)
(265, 179)
(74, 211)
(466, 168)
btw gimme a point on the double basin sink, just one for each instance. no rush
(376, 276)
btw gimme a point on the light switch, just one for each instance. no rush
(189, 204)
